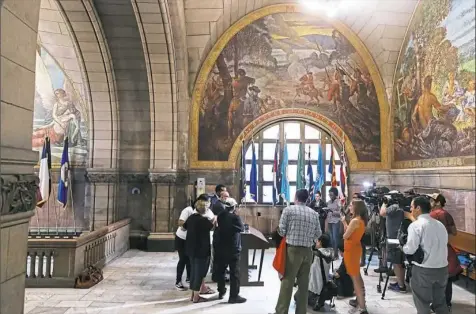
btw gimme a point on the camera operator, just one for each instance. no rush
(394, 217)
(318, 205)
(429, 277)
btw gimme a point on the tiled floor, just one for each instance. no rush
(143, 283)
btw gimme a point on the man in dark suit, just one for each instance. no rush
(228, 249)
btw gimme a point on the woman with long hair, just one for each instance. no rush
(353, 233)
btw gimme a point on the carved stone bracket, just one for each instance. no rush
(19, 193)
(168, 177)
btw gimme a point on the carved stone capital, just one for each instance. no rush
(18, 193)
(134, 177)
(168, 176)
(102, 175)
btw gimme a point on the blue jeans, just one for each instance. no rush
(334, 233)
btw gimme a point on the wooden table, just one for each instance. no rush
(252, 240)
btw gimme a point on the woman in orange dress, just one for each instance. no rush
(353, 233)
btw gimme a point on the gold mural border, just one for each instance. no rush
(209, 62)
(423, 163)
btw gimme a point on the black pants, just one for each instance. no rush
(184, 261)
(199, 271)
(222, 262)
(449, 289)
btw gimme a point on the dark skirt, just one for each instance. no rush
(199, 270)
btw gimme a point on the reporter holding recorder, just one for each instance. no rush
(429, 277)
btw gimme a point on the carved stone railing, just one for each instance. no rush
(55, 262)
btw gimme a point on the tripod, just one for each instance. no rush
(378, 245)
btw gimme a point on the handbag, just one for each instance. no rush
(279, 262)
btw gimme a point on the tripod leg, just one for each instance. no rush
(372, 250)
(386, 281)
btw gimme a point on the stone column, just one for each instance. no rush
(169, 197)
(18, 199)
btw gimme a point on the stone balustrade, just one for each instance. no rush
(56, 262)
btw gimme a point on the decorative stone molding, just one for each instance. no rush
(115, 176)
(214, 176)
(102, 175)
(168, 177)
(18, 193)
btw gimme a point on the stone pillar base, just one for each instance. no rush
(13, 248)
(161, 242)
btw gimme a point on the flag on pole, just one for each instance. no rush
(343, 171)
(63, 182)
(243, 173)
(276, 174)
(284, 175)
(253, 175)
(44, 174)
(300, 177)
(332, 168)
(320, 173)
(310, 175)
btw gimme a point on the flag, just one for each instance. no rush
(63, 182)
(343, 171)
(276, 174)
(253, 175)
(332, 168)
(284, 175)
(309, 176)
(243, 172)
(45, 174)
(300, 178)
(320, 173)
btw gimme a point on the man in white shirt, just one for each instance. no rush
(429, 278)
(180, 237)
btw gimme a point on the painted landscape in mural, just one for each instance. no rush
(288, 61)
(434, 91)
(59, 111)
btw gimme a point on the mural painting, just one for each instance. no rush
(288, 60)
(59, 111)
(434, 93)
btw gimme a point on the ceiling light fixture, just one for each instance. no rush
(329, 7)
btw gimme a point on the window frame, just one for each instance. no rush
(325, 138)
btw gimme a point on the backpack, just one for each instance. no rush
(329, 290)
(88, 278)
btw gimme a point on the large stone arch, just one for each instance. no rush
(362, 50)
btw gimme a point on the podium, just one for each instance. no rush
(252, 240)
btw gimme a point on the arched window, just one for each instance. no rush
(295, 132)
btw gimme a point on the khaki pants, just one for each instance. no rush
(298, 265)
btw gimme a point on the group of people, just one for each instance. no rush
(426, 226)
(218, 213)
(315, 233)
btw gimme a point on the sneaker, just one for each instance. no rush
(357, 310)
(180, 287)
(353, 303)
(396, 287)
(236, 300)
(221, 294)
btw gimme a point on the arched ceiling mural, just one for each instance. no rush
(434, 92)
(277, 58)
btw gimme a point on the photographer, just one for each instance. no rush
(394, 217)
(429, 277)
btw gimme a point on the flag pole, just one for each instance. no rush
(56, 213)
(70, 188)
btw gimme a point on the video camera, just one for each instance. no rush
(375, 197)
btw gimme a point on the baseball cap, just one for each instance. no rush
(230, 203)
